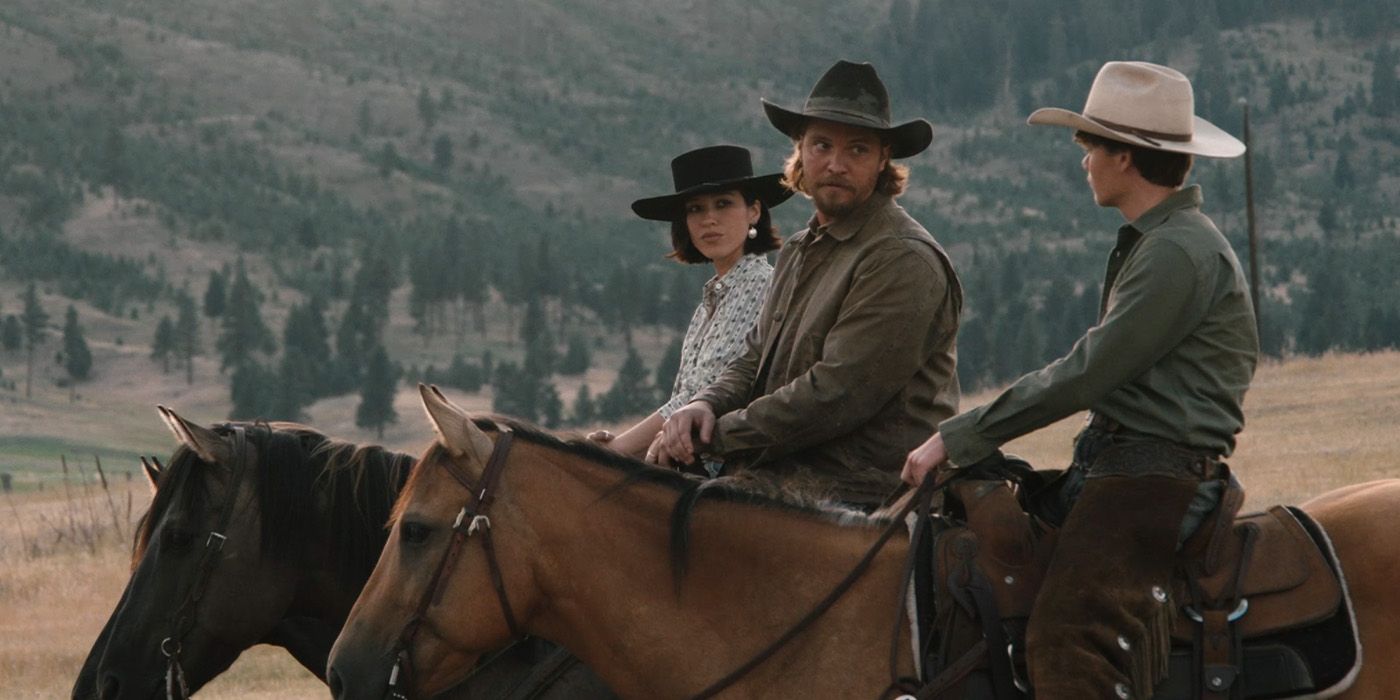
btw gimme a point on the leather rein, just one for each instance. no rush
(471, 520)
(183, 619)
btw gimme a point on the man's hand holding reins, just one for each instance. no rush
(924, 459)
(678, 444)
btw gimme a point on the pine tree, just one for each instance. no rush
(377, 393)
(187, 335)
(215, 295)
(361, 326)
(442, 153)
(427, 109)
(251, 390)
(242, 330)
(1385, 87)
(577, 357)
(516, 392)
(389, 160)
(304, 368)
(164, 344)
(77, 357)
(35, 322)
(584, 411)
(306, 354)
(1342, 175)
(364, 118)
(669, 367)
(540, 355)
(551, 407)
(630, 394)
(12, 333)
(116, 171)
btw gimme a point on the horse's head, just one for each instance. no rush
(200, 590)
(431, 607)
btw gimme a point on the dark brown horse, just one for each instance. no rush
(297, 538)
(614, 560)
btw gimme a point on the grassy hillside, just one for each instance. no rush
(164, 140)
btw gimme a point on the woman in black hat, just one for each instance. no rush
(718, 214)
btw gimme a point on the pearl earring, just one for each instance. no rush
(753, 232)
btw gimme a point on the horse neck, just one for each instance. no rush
(610, 596)
(327, 590)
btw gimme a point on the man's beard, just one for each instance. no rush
(835, 207)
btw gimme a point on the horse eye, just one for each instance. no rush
(415, 533)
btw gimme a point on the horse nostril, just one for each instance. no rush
(333, 680)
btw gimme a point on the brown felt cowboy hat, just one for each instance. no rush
(1146, 105)
(852, 93)
(712, 169)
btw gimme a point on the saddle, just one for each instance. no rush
(1262, 610)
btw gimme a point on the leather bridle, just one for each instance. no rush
(183, 619)
(471, 520)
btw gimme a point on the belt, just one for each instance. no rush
(1099, 421)
(1142, 458)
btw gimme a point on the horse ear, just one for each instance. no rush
(152, 473)
(455, 429)
(202, 441)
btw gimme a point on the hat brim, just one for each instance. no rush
(768, 189)
(907, 139)
(1207, 140)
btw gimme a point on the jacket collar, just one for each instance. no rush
(1184, 198)
(851, 224)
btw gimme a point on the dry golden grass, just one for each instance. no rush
(1313, 425)
(56, 593)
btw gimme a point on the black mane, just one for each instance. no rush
(295, 467)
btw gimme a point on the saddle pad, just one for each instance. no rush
(1318, 660)
(1287, 583)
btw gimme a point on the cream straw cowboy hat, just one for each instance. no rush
(1146, 105)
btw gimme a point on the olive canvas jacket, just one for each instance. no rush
(852, 362)
(1170, 358)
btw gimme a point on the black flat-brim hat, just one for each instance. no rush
(852, 93)
(712, 169)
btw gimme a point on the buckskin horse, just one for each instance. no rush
(264, 534)
(672, 589)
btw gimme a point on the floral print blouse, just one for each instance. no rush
(727, 311)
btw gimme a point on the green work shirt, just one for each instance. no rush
(1170, 358)
(852, 362)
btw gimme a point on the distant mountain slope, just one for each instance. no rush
(314, 137)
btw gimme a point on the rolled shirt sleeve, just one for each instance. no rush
(1154, 304)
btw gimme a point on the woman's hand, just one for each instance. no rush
(601, 437)
(924, 459)
(654, 451)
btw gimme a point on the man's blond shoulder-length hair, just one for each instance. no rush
(891, 182)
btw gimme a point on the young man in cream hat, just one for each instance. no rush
(1163, 374)
(852, 361)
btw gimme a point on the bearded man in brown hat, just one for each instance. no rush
(852, 360)
(1163, 373)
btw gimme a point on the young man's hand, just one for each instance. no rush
(924, 459)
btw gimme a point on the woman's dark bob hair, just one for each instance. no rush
(684, 250)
